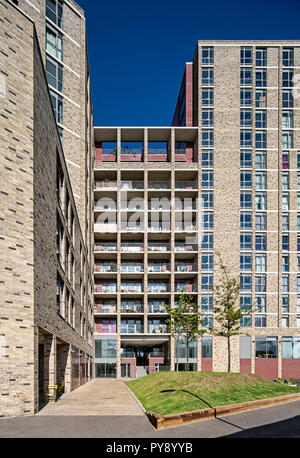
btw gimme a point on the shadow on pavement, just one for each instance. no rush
(282, 429)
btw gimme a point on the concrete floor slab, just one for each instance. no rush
(98, 397)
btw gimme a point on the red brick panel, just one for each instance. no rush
(206, 365)
(291, 368)
(245, 365)
(266, 367)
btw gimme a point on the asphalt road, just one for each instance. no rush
(282, 421)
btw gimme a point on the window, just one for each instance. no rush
(246, 241)
(246, 97)
(206, 282)
(260, 222)
(246, 200)
(207, 56)
(260, 304)
(207, 200)
(261, 181)
(207, 221)
(285, 222)
(285, 243)
(206, 347)
(208, 138)
(260, 283)
(260, 201)
(207, 97)
(266, 347)
(207, 159)
(287, 140)
(285, 202)
(261, 78)
(207, 242)
(288, 57)
(207, 180)
(207, 76)
(54, 73)
(298, 202)
(298, 284)
(207, 118)
(57, 103)
(298, 160)
(260, 263)
(246, 221)
(260, 321)
(260, 139)
(261, 57)
(285, 263)
(246, 138)
(246, 77)
(246, 262)
(260, 242)
(206, 304)
(261, 99)
(298, 243)
(260, 119)
(285, 160)
(245, 282)
(246, 118)
(245, 306)
(287, 78)
(246, 180)
(207, 262)
(54, 11)
(261, 160)
(246, 56)
(285, 283)
(246, 159)
(287, 99)
(54, 43)
(287, 120)
(298, 181)
(285, 304)
(291, 347)
(285, 181)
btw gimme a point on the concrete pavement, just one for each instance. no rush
(98, 397)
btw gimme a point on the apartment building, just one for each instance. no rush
(223, 178)
(46, 309)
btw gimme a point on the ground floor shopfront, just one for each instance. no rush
(137, 356)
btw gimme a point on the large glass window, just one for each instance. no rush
(260, 139)
(291, 347)
(246, 200)
(208, 138)
(260, 222)
(54, 73)
(246, 138)
(261, 78)
(246, 159)
(58, 107)
(287, 99)
(246, 180)
(246, 56)
(288, 57)
(261, 160)
(266, 347)
(207, 76)
(207, 97)
(206, 347)
(261, 98)
(287, 120)
(287, 78)
(246, 221)
(261, 57)
(246, 77)
(246, 118)
(105, 348)
(54, 12)
(246, 262)
(246, 97)
(246, 241)
(208, 56)
(260, 119)
(54, 43)
(207, 118)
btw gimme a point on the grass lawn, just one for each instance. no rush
(213, 388)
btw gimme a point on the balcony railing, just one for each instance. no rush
(161, 185)
(131, 329)
(100, 308)
(138, 288)
(160, 228)
(185, 247)
(103, 288)
(156, 308)
(152, 288)
(128, 354)
(132, 247)
(106, 247)
(137, 308)
(185, 228)
(159, 247)
(134, 268)
(106, 328)
(186, 185)
(179, 287)
(180, 267)
(105, 185)
(157, 329)
(159, 267)
(132, 185)
(156, 354)
(106, 267)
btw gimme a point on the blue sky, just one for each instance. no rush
(138, 49)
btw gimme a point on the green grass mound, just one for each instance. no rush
(176, 392)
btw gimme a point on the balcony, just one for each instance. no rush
(158, 247)
(105, 308)
(158, 288)
(106, 267)
(186, 247)
(125, 227)
(105, 208)
(132, 308)
(131, 288)
(106, 327)
(159, 185)
(131, 154)
(157, 329)
(131, 328)
(185, 228)
(157, 155)
(132, 268)
(157, 308)
(184, 154)
(164, 227)
(105, 185)
(132, 247)
(105, 288)
(132, 185)
(186, 185)
(186, 267)
(127, 355)
(158, 267)
(105, 247)
(156, 354)
(186, 287)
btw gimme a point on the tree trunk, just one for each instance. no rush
(187, 355)
(177, 355)
(229, 355)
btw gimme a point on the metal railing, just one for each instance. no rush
(156, 354)
(156, 309)
(159, 247)
(100, 308)
(105, 184)
(185, 247)
(152, 288)
(180, 267)
(131, 329)
(157, 329)
(132, 185)
(134, 268)
(129, 354)
(106, 247)
(105, 288)
(138, 288)
(159, 185)
(111, 267)
(187, 288)
(132, 247)
(187, 185)
(132, 308)
(158, 267)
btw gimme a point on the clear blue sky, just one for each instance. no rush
(137, 49)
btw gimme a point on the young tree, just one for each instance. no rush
(227, 309)
(184, 322)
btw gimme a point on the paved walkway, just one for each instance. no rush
(98, 397)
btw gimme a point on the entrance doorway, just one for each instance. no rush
(125, 370)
